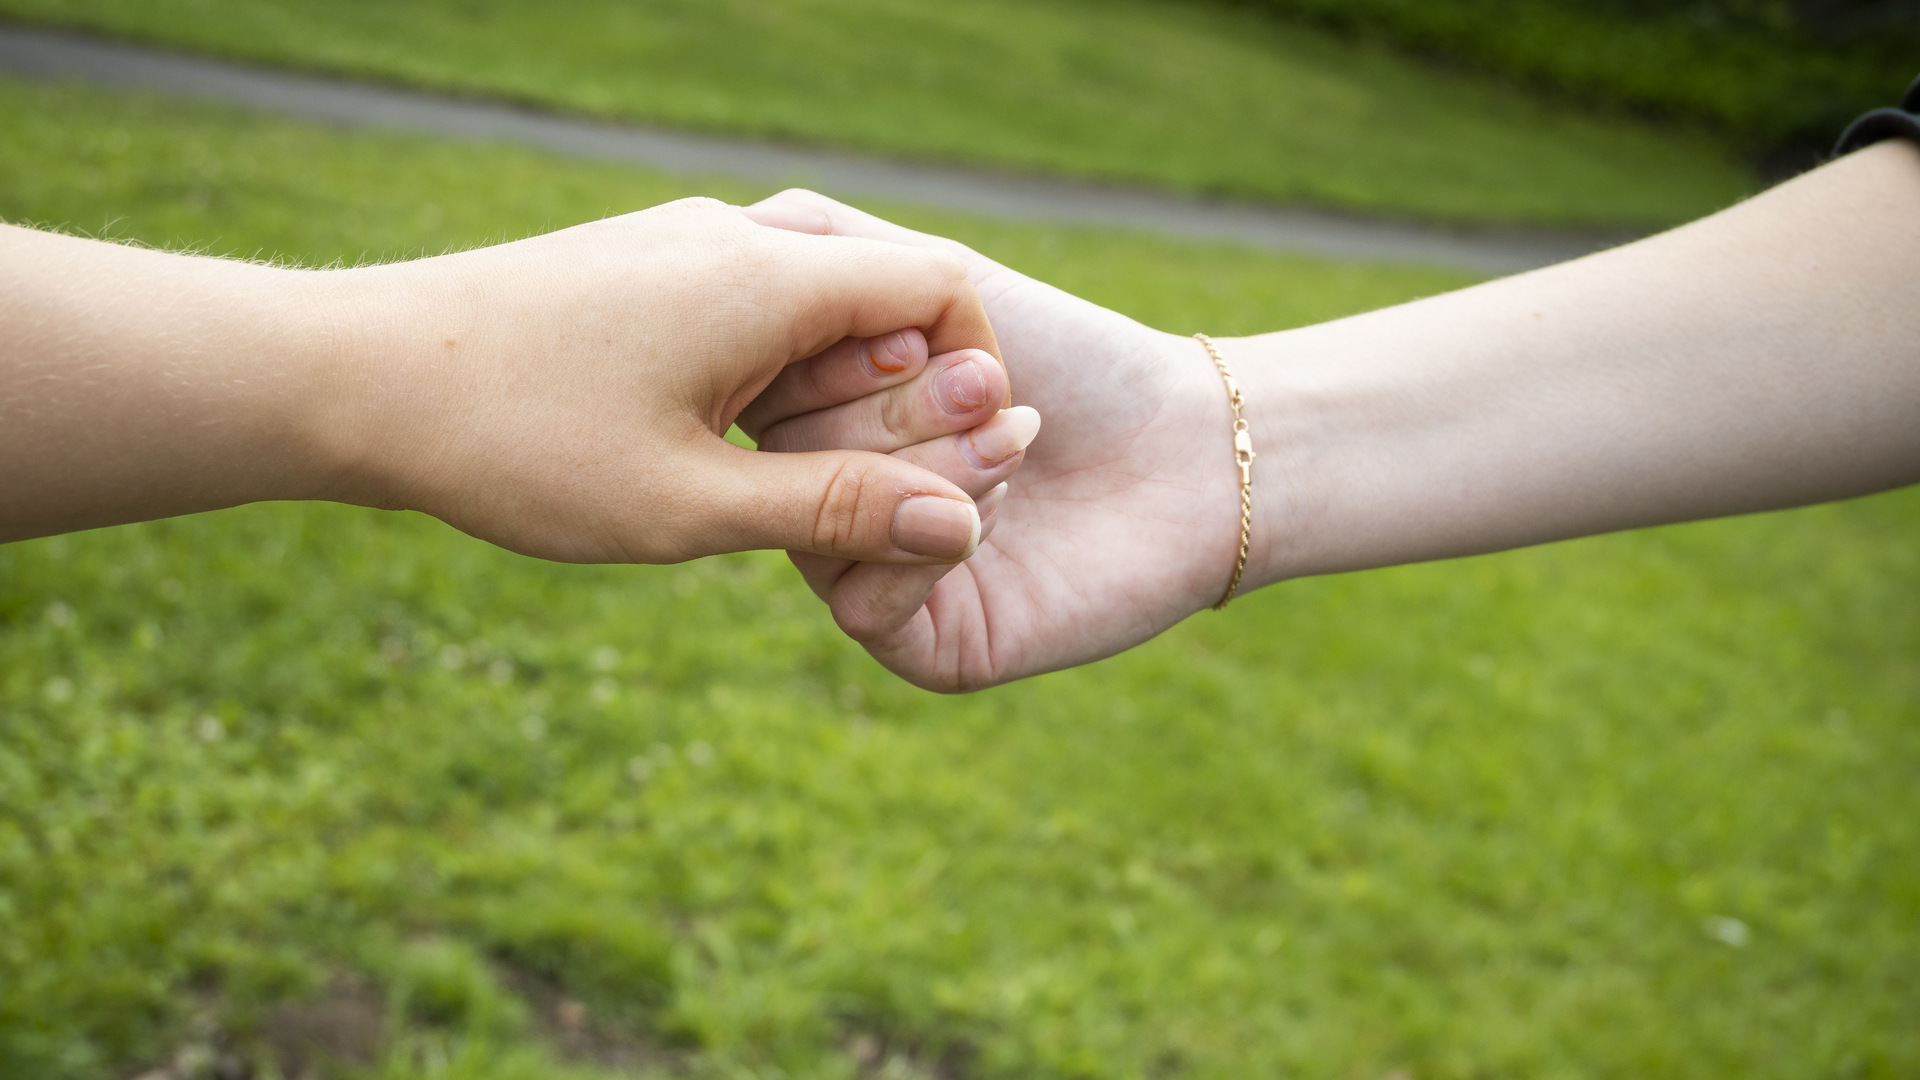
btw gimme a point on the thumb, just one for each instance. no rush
(848, 504)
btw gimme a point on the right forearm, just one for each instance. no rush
(138, 384)
(1762, 358)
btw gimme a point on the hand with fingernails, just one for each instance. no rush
(947, 414)
(1760, 358)
(565, 396)
(1116, 526)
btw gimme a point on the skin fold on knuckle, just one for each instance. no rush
(808, 288)
(962, 317)
(776, 404)
(939, 674)
(809, 200)
(850, 519)
(776, 439)
(939, 279)
(948, 265)
(810, 377)
(860, 618)
(842, 428)
(800, 210)
(893, 418)
(796, 195)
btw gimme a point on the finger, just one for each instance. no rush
(931, 631)
(844, 503)
(822, 573)
(791, 210)
(849, 369)
(875, 605)
(982, 459)
(942, 646)
(955, 392)
(872, 602)
(838, 287)
(978, 461)
(800, 210)
(988, 503)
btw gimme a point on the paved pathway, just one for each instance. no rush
(40, 54)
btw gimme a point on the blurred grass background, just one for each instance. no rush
(298, 778)
(1195, 96)
(1779, 76)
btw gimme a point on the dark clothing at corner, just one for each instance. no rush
(1903, 122)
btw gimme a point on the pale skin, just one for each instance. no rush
(1762, 358)
(564, 396)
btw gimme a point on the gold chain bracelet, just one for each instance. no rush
(1243, 457)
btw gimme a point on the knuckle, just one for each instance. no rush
(693, 204)
(801, 210)
(961, 680)
(857, 619)
(778, 439)
(894, 415)
(706, 228)
(765, 437)
(840, 523)
(813, 377)
(948, 264)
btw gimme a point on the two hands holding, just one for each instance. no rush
(567, 397)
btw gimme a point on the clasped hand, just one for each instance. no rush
(567, 396)
(1123, 519)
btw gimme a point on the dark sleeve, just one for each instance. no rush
(1903, 122)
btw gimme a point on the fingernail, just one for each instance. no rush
(936, 527)
(1009, 432)
(962, 387)
(989, 505)
(991, 501)
(889, 353)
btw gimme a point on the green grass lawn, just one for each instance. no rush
(1638, 806)
(1193, 96)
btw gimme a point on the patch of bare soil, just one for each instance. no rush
(569, 1026)
(880, 1057)
(309, 1040)
(346, 1028)
(301, 1040)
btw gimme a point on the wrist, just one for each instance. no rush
(359, 434)
(1196, 418)
(1283, 387)
(333, 435)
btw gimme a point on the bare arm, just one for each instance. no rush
(564, 396)
(136, 384)
(1768, 356)
(1765, 357)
